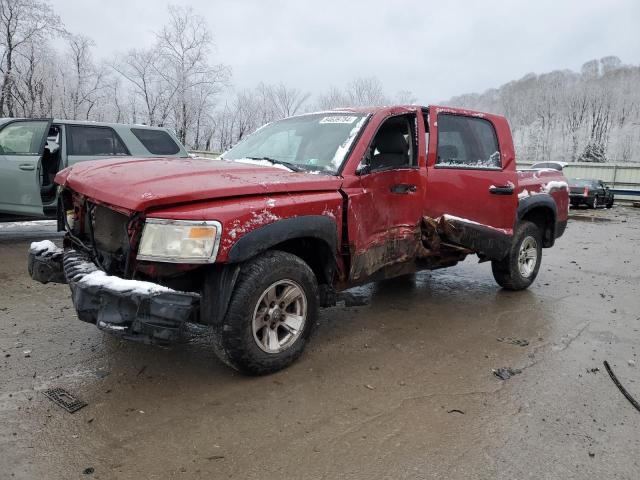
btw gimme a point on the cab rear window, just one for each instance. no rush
(157, 142)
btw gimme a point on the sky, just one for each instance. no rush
(435, 49)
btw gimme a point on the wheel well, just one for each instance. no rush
(314, 252)
(544, 219)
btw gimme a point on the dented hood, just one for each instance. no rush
(141, 184)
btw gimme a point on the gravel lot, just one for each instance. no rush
(400, 388)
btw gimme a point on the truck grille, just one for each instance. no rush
(110, 238)
(109, 230)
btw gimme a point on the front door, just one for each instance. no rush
(21, 147)
(386, 207)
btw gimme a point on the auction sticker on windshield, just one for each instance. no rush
(339, 119)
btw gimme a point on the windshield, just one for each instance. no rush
(315, 142)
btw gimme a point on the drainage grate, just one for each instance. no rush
(63, 398)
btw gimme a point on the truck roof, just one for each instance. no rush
(412, 108)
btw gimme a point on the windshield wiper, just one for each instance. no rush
(293, 166)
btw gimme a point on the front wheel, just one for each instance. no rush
(520, 267)
(273, 311)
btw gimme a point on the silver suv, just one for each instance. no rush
(33, 151)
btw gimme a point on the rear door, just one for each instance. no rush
(470, 174)
(21, 147)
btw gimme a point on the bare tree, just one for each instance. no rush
(333, 98)
(360, 92)
(575, 117)
(83, 83)
(21, 22)
(203, 101)
(366, 91)
(141, 68)
(184, 45)
(34, 82)
(283, 101)
(405, 97)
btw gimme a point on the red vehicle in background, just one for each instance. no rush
(252, 244)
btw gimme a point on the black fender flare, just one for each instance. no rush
(321, 227)
(540, 201)
(221, 280)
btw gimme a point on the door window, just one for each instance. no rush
(467, 142)
(22, 138)
(394, 145)
(95, 141)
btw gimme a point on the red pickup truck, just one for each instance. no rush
(252, 244)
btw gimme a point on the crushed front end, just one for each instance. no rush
(109, 287)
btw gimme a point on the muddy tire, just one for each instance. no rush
(520, 267)
(595, 203)
(272, 313)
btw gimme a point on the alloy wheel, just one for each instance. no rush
(279, 316)
(527, 256)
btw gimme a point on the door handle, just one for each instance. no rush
(27, 167)
(404, 188)
(502, 190)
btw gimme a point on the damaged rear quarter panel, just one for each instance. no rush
(242, 215)
(532, 183)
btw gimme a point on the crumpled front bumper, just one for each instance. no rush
(135, 310)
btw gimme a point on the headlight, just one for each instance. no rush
(180, 241)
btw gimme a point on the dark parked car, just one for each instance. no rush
(592, 193)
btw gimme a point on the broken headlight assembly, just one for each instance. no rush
(179, 241)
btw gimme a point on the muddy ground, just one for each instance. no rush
(400, 388)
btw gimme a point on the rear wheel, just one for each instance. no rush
(520, 267)
(272, 314)
(595, 202)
